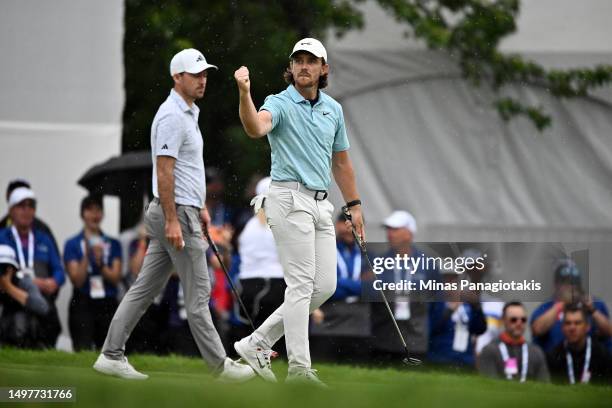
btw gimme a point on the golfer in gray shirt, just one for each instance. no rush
(174, 221)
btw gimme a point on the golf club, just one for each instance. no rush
(227, 275)
(408, 360)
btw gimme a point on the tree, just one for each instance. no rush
(254, 33)
(471, 30)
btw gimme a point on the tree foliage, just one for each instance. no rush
(471, 30)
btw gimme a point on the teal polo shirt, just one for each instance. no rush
(303, 137)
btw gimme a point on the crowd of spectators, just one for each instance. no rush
(571, 333)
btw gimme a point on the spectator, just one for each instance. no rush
(38, 223)
(93, 263)
(510, 356)
(341, 328)
(348, 286)
(452, 325)
(220, 213)
(579, 359)
(411, 312)
(37, 258)
(20, 302)
(546, 319)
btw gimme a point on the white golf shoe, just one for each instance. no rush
(235, 372)
(118, 368)
(308, 377)
(256, 357)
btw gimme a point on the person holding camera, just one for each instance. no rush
(37, 258)
(20, 301)
(547, 319)
(93, 264)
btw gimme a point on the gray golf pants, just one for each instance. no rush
(190, 264)
(306, 241)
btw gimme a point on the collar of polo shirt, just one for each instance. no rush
(181, 102)
(297, 97)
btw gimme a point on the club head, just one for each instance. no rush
(411, 361)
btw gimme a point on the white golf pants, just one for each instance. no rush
(304, 232)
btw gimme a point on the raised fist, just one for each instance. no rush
(242, 79)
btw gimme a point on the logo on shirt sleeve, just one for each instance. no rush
(165, 147)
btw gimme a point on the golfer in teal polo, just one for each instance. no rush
(305, 128)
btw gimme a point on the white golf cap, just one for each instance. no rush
(7, 256)
(189, 60)
(401, 219)
(312, 46)
(19, 194)
(263, 186)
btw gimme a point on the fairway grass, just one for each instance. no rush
(184, 382)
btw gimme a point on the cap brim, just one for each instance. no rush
(391, 222)
(8, 261)
(21, 200)
(197, 68)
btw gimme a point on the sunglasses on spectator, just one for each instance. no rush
(516, 319)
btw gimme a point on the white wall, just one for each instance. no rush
(61, 104)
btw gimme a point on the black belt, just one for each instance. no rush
(156, 201)
(318, 195)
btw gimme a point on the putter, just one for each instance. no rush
(408, 360)
(227, 275)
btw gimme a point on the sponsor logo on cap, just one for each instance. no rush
(200, 58)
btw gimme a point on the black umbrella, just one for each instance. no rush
(125, 175)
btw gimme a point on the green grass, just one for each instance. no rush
(183, 382)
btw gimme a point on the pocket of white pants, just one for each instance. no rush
(278, 206)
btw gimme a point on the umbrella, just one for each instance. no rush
(120, 176)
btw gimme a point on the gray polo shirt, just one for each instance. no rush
(175, 133)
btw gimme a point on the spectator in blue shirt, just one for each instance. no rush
(547, 319)
(93, 264)
(37, 258)
(453, 325)
(348, 286)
